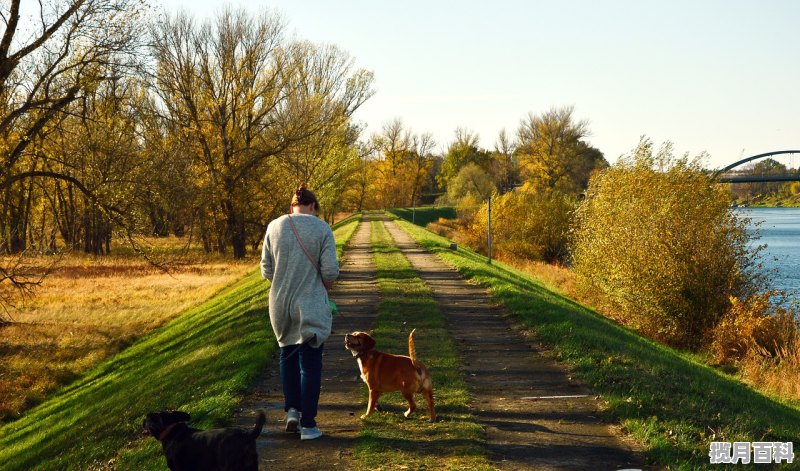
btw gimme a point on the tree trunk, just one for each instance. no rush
(14, 227)
(235, 230)
(96, 231)
(158, 220)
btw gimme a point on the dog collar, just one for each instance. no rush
(163, 435)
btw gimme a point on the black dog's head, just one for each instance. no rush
(156, 423)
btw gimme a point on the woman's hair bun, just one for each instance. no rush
(304, 196)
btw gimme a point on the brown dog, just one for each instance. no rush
(384, 372)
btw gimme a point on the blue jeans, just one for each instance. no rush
(301, 377)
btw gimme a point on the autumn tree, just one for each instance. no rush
(394, 146)
(170, 199)
(657, 243)
(328, 163)
(357, 194)
(41, 73)
(470, 188)
(51, 54)
(97, 142)
(421, 164)
(553, 154)
(328, 160)
(526, 225)
(462, 151)
(251, 107)
(506, 166)
(403, 164)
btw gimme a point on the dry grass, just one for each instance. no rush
(555, 277)
(780, 376)
(90, 308)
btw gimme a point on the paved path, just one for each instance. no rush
(356, 295)
(503, 369)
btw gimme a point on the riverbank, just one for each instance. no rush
(771, 201)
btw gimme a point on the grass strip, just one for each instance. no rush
(343, 231)
(201, 363)
(388, 440)
(667, 400)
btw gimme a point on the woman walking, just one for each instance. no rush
(299, 258)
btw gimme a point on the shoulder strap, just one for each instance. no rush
(302, 246)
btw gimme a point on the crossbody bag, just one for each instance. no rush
(331, 304)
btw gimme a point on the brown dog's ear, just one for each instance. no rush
(368, 342)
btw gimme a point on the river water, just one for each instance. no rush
(779, 230)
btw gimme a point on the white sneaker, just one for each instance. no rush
(309, 433)
(292, 420)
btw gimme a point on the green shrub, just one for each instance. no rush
(658, 244)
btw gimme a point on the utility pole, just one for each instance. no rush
(490, 229)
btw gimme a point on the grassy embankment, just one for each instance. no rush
(667, 400)
(90, 308)
(201, 362)
(426, 214)
(388, 440)
(774, 377)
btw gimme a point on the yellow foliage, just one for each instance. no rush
(526, 225)
(754, 327)
(780, 375)
(656, 239)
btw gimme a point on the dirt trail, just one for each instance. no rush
(504, 372)
(356, 295)
(503, 369)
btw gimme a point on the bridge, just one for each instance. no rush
(729, 175)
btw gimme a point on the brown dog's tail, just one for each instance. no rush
(261, 419)
(412, 352)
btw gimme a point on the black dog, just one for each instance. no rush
(186, 448)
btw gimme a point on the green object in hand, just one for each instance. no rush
(334, 309)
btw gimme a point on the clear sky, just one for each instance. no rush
(720, 76)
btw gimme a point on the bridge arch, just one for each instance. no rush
(755, 157)
(725, 175)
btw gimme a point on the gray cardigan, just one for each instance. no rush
(298, 301)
